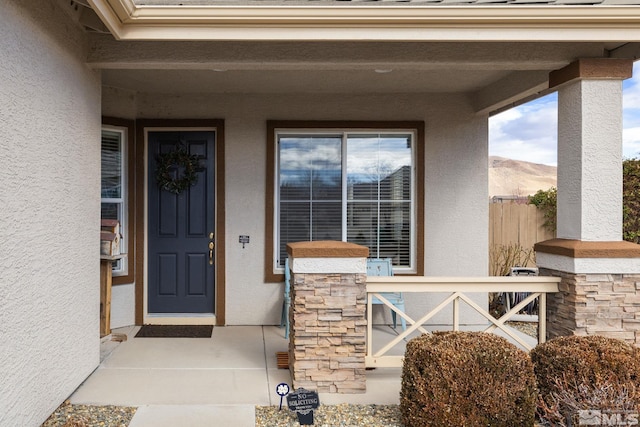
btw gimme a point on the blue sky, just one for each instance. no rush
(529, 132)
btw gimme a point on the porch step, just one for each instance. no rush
(194, 416)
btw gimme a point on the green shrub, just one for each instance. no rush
(547, 201)
(466, 379)
(631, 200)
(585, 372)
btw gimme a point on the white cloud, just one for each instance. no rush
(631, 99)
(368, 158)
(529, 132)
(631, 142)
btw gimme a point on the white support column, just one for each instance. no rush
(598, 294)
(590, 159)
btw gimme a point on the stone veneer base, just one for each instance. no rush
(595, 304)
(327, 345)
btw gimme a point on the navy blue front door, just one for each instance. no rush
(181, 232)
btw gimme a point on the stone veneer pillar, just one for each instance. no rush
(592, 300)
(327, 344)
(600, 289)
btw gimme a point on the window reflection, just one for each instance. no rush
(377, 205)
(379, 195)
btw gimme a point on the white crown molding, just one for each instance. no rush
(380, 22)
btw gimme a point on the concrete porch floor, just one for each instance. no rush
(217, 381)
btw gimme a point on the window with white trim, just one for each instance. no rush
(113, 187)
(356, 186)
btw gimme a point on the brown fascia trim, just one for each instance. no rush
(326, 249)
(582, 249)
(592, 69)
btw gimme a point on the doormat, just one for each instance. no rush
(175, 331)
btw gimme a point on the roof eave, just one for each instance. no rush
(127, 21)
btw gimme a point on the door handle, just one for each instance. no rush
(211, 246)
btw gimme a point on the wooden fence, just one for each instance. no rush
(511, 223)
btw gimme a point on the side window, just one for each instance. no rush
(113, 188)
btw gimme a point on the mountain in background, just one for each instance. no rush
(509, 177)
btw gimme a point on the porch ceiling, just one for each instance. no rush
(300, 81)
(492, 74)
(499, 55)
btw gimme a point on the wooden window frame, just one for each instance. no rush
(129, 127)
(270, 193)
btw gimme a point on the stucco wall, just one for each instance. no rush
(456, 179)
(589, 159)
(123, 305)
(49, 170)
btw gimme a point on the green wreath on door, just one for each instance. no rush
(178, 159)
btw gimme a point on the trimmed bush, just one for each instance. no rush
(589, 359)
(568, 406)
(466, 379)
(585, 372)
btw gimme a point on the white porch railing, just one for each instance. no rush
(538, 286)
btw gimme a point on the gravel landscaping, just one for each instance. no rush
(333, 416)
(529, 328)
(68, 415)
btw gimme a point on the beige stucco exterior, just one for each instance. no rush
(49, 155)
(453, 133)
(57, 80)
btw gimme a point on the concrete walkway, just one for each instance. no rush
(206, 382)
